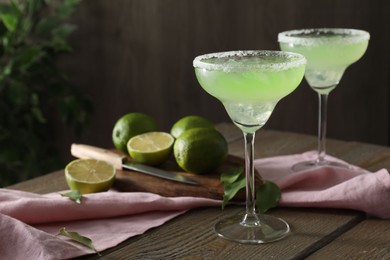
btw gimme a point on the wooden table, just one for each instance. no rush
(316, 233)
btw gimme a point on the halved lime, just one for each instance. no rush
(151, 148)
(89, 175)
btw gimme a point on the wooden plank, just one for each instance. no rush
(191, 236)
(51, 182)
(368, 240)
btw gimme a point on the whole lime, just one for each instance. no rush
(189, 122)
(200, 150)
(130, 125)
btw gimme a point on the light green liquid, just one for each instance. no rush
(249, 95)
(327, 58)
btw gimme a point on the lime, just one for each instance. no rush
(130, 125)
(200, 150)
(89, 175)
(151, 148)
(190, 122)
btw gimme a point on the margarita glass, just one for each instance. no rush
(249, 84)
(328, 52)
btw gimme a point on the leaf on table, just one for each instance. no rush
(74, 195)
(267, 196)
(267, 193)
(78, 238)
(231, 175)
(233, 181)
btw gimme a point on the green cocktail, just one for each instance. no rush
(250, 88)
(249, 84)
(328, 52)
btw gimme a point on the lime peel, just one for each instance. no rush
(190, 122)
(130, 125)
(200, 150)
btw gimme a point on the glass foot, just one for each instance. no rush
(268, 229)
(302, 166)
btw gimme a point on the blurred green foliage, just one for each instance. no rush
(35, 95)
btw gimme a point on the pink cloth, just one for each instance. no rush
(328, 187)
(29, 222)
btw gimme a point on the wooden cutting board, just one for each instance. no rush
(209, 184)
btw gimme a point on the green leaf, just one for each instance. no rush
(15, 8)
(5, 42)
(36, 109)
(18, 93)
(59, 37)
(233, 181)
(3, 31)
(33, 35)
(267, 196)
(64, 31)
(65, 10)
(231, 175)
(10, 21)
(74, 195)
(231, 190)
(46, 25)
(28, 57)
(38, 115)
(78, 238)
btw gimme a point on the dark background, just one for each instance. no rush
(136, 56)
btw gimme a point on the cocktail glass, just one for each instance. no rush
(328, 52)
(249, 84)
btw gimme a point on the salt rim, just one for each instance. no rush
(199, 63)
(353, 36)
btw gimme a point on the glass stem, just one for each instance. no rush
(322, 113)
(250, 218)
